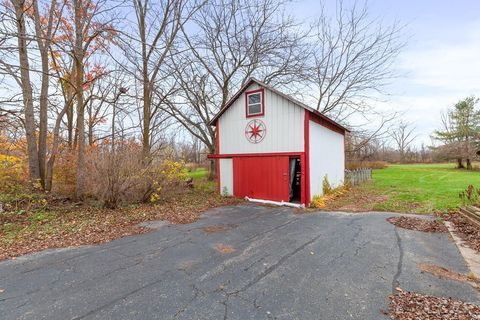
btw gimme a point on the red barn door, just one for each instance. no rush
(264, 178)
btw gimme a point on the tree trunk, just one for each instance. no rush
(70, 126)
(213, 169)
(469, 164)
(146, 89)
(460, 163)
(43, 41)
(30, 127)
(78, 54)
(213, 164)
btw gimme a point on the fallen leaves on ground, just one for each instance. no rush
(447, 274)
(224, 248)
(71, 225)
(218, 228)
(406, 305)
(424, 225)
(357, 199)
(467, 230)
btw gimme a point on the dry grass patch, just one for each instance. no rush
(356, 199)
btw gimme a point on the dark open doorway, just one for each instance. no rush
(295, 180)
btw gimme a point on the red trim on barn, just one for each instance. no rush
(326, 123)
(217, 150)
(344, 157)
(247, 93)
(271, 154)
(306, 162)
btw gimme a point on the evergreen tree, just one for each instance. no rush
(461, 132)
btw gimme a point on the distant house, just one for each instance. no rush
(273, 147)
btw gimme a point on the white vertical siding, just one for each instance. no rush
(226, 176)
(327, 157)
(284, 121)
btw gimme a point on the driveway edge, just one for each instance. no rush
(471, 257)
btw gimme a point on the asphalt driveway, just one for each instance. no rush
(254, 263)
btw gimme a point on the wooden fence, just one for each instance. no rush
(357, 176)
(472, 213)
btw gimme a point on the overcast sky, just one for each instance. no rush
(441, 62)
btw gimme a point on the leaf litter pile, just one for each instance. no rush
(71, 225)
(406, 305)
(418, 224)
(468, 231)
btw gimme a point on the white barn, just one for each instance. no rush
(273, 147)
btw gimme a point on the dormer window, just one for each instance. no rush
(255, 103)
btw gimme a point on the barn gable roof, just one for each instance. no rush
(290, 98)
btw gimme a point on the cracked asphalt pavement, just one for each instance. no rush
(283, 266)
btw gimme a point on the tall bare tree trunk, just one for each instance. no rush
(79, 55)
(30, 127)
(145, 83)
(43, 41)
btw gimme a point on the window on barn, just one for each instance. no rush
(255, 104)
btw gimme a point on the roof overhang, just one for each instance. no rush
(250, 81)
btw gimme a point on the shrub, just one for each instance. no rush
(329, 194)
(352, 165)
(317, 202)
(470, 195)
(326, 187)
(65, 172)
(123, 176)
(11, 173)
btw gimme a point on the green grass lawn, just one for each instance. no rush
(198, 173)
(419, 188)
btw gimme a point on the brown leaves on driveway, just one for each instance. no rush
(445, 273)
(218, 228)
(417, 224)
(406, 305)
(224, 248)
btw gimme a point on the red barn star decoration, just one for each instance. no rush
(255, 131)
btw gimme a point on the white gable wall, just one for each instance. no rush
(283, 119)
(327, 157)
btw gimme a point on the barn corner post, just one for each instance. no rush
(306, 162)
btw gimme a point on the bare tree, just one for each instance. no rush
(92, 23)
(44, 33)
(403, 135)
(20, 7)
(147, 47)
(351, 60)
(236, 40)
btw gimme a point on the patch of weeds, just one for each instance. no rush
(42, 216)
